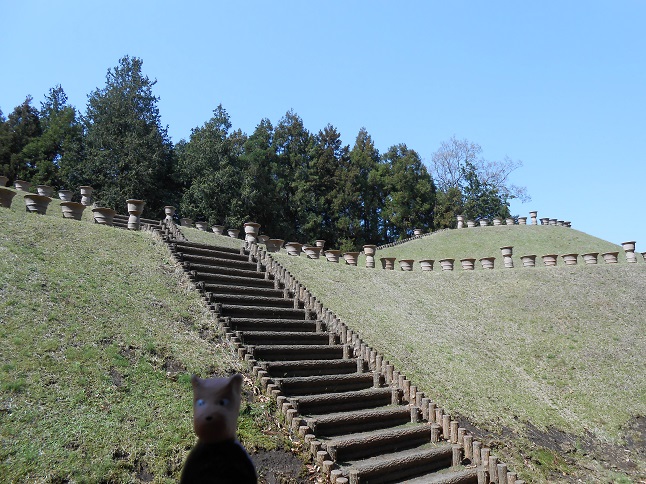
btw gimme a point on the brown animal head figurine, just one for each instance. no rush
(216, 403)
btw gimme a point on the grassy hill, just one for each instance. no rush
(99, 334)
(550, 359)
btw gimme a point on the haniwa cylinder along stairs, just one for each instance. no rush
(358, 428)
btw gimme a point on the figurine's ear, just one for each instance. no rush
(235, 383)
(195, 381)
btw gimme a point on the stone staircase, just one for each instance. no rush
(358, 423)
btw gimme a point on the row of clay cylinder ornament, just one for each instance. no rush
(465, 447)
(39, 203)
(483, 222)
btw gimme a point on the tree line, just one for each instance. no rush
(299, 185)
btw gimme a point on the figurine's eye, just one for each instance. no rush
(224, 402)
(199, 402)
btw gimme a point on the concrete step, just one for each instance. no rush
(339, 423)
(297, 352)
(232, 271)
(217, 261)
(282, 369)
(399, 466)
(339, 402)
(252, 300)
(376, 442)
(237, 311)
(249, 291)
(269, 324)
(448, 476)
(224, 279)
(211, 252)
(283, 338)
(214, 247)
(315, 385)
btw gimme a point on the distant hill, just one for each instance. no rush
(552, 357)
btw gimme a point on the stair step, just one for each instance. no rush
(297, 352)
(236, 311)
(233, 280)
(311, 385)
(217, 261)
(341, 423)
(251, 291)
(231, 271)
(338, 402)
(283, 338)
(212, 252)
(251, 300)
(399, 465)
(448, 476)
(270, 324)
(375, 442)
(282, 369)
(197, 245)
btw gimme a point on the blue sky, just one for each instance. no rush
(558, 85)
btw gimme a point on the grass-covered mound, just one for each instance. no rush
(99, 333)
(551, 358)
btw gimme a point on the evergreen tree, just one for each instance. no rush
(21, 128)
(481, 200)
(410, 193)
(128, 153)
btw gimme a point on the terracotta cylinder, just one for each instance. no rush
(65, 195)
(533, 214)
(550, 259)
(3, 181)
(45, 190)
(72, 210)
(629, 249)
(590, 258)
(507, 253)
(169, 211)
(570, 259)
(369, 251)
(186, 222)
(510, 221)
(233, 233)
(497, 221)
(274, 245)
(487, 262)
(552, 221)
(320, 243)
(522, 220)
(203, 226)
(468, 264)
(406, 264)
(262, 239)
(351, 258)
(610, 257)
(484, 222)
(332, 255)
(471, 223)
(218, 229)
(460, 221)
(251, 231)
(388, 263)
(293, 248)
(447, 264)
(312, 252)
(135, 207)
(528, 260)
(103, 215)
(6, 197)
(37, 203)
(86, 195)
(545, 221)
(22, 185)
(560, 223)
(417, 232)
(426, 265)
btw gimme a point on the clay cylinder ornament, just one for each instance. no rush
(217, 457)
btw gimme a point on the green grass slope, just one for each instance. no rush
(551, 358)
(99, 333)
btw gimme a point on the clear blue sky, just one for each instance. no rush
(560, 85)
